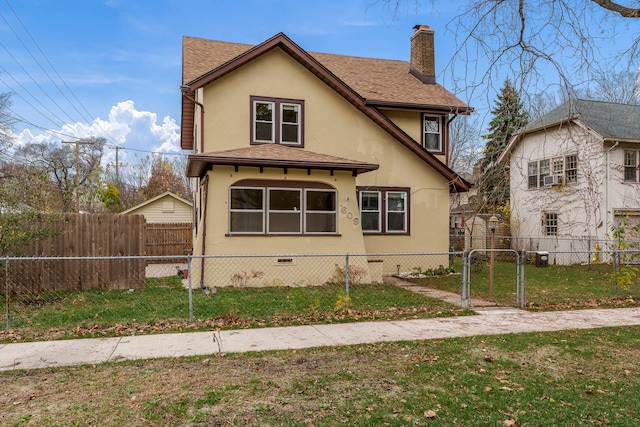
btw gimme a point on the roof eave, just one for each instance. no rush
(198, 164)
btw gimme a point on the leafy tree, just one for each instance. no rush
(23, 197)
(164, 178)
(508, 116)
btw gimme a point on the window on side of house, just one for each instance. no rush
(432, 136)
(396, 212)
(550, 224)
(557, 166)
(370, 211)
(274, 210)
(533, 174)
(631, 165)
(384, 210)
(544, 171)
(571, 168)
(276, 121)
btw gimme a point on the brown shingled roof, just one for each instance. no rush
(378, 81)
(274, 155)
(227, 57)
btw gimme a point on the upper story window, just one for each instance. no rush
(384, 210)
(275, 120)
(432, 133)
(554, 171)
(631, 166)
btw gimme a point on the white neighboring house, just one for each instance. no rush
(573, 173)
(164, 208)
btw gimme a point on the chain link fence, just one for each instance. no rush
(135, 294)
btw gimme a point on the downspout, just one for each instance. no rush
(606, 186)
(204, 227)
(449, 137)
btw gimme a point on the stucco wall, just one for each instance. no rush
(331, 126)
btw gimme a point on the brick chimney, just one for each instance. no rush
(423, 61)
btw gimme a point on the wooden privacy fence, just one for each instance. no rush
(84, 235)
(166, 239)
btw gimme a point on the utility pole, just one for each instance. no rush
(78, 142)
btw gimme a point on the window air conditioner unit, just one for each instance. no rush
(551, 180)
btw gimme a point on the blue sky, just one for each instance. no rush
(116, 64)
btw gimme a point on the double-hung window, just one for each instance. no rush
(384, 211)
(273, 210)
(631, 165)
(432, 136)
(533, 174)
(275, 120)
(565, 168)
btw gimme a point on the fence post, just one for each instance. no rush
(190, 288)
(615, 268)
(522, 282)
(346, 281)
(463, 294)
(7, 291)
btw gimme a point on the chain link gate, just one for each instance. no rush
(466, 275)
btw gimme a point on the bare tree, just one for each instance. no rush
(465, 147)
(543, 42)
(59, 162)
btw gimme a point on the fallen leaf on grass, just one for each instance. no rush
(430, 413)
(509, 423)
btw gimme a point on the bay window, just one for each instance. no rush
(274, 210)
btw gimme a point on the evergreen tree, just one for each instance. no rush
(508, 116)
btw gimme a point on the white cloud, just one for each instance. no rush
(125, 127)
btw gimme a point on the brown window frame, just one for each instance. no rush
(384, 212)
(277, 120)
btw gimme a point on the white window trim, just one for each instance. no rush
(298, 123)
(379, 211)
(277, 123)
(389, 211)
(334, 212)
(262, 211)
(266, 191)
(256, 121)
(269, 211)
(424, 133)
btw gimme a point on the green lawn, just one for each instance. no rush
(546, 288)
(570, 378)
(163, 306)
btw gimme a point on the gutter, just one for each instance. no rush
(204, 228)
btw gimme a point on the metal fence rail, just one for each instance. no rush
(33, 286)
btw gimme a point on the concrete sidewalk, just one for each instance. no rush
(490, 321)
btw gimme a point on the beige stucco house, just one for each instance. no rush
(297, 153)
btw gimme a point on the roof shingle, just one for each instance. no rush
(376, 80)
